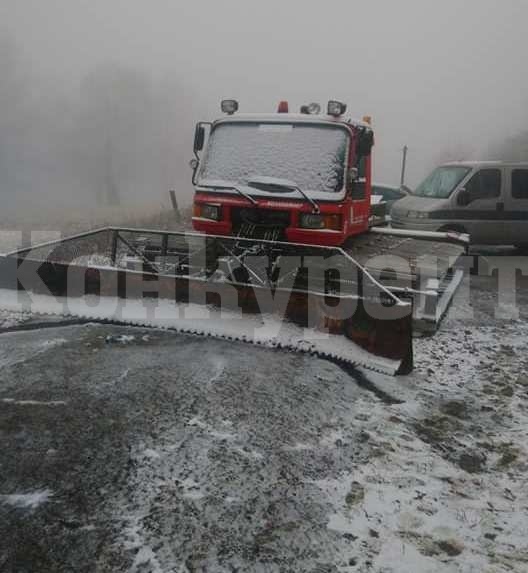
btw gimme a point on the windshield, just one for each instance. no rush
(442, 182)
(312, 156)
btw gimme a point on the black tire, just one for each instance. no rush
(522, 248)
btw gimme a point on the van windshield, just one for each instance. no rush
(442, 182)
(311, 155)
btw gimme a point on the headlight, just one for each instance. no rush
(417, 214)
(206, 211)
(336, 108)
(229, 106)
(311, 221)
(320, 221)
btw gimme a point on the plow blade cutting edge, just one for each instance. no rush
(315, 300)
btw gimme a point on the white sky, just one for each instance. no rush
(435, 75)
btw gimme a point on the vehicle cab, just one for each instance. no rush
(486, 199)
(302, 178)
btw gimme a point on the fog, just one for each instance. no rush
(98, 98)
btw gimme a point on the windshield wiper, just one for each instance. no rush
(315, 206)
(232, 188)
(285, 184)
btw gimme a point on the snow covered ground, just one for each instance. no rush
(165, 453)
(446, 489)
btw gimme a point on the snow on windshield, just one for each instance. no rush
(313, 156)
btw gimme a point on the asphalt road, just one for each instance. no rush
(136, 450)
(149, 448)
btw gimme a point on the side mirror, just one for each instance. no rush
(365, 143)
(199, 138)
(463, 198)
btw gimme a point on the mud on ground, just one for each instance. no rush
(134, 450)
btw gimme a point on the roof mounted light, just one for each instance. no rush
(283, 107)
(229, 106)
(311, 109)
(336, 108)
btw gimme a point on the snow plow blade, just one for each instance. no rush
(315, 300)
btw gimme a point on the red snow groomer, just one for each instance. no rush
(301, 178)
(305, 179)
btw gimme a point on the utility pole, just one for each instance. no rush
(404, 165)
(175, 208)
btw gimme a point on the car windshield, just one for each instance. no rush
(312, 156)
(442, 181)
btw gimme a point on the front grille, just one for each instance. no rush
(260, 223)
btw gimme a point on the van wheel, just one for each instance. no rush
(522, 248)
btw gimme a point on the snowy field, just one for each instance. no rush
(137, 450)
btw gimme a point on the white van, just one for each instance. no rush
(488, 200)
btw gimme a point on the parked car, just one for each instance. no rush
(488, 200)
(387, 194)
